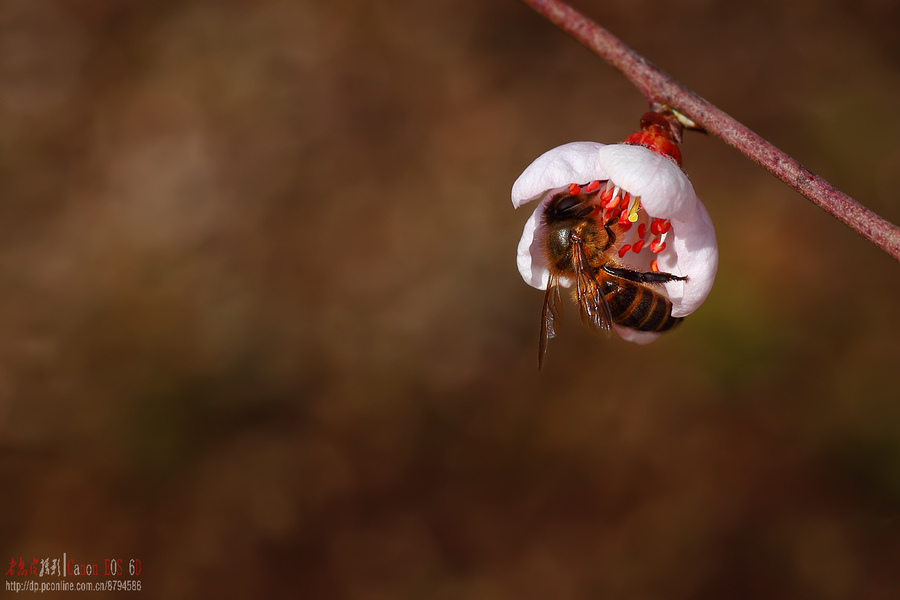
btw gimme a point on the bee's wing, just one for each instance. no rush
(595, 313)
(551, 312)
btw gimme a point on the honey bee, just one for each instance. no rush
(579, 245)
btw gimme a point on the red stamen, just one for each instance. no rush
(623, 250)
(642, 230)
(657, 246)
(592, 186)
(608, 200)
(654, 266)
(660, 226)
(623, 227)
(638, 246)
(574, 189)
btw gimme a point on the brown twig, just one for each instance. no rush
(659, 88)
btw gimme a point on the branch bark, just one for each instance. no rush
(660, 88)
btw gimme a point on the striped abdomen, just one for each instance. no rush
(637, 306)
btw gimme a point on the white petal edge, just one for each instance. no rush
(575, 162)
(698, 257)
(527, 258)
(637, 337)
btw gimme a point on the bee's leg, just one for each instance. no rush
(610, 234)
(640, 276)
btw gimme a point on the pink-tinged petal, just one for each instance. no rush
(697, 253)
(638, 337)
(529, 259)
(665, 191)
(576, 162)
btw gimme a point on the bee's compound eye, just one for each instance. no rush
(567, 203)
(559, 241)
(571, 206)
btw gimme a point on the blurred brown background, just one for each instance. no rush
(262, 327)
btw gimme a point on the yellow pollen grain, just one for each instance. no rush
(633, 210)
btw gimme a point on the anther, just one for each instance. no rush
(623, 250)
(660, 226)
(642, 230)
(574, 189)
(654, 266)
(612, 202)
(658, 245)
(633, 210)
(592, 186)
(638, 246)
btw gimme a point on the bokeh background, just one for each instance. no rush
(262, 327)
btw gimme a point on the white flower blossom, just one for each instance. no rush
(656, 189)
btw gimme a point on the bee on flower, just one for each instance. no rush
(622, 224)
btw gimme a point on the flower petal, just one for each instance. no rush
(575, 162)
(697, 253)
(638, 337)
(532, 265)
(665, 191)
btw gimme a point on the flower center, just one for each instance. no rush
(616, 203)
